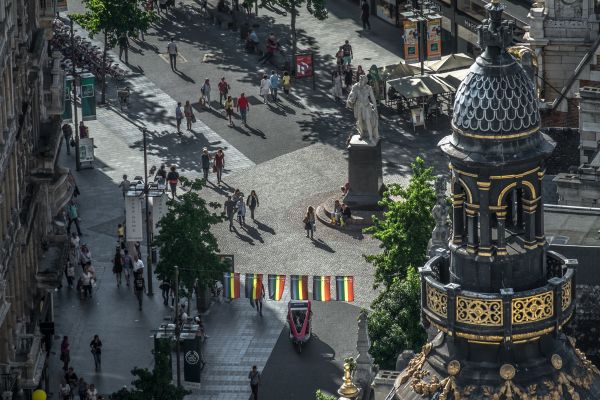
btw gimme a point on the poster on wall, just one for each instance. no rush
(134, 230)
(86, 150)
(88, 96)
(159, 210)
(434, 39)
(411, 41)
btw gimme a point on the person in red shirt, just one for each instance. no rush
(243, 106)
(223, 90)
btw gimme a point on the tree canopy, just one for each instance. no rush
(185, 239)
(404, 232)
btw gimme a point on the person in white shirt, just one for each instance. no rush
(138, 265)
(265, 88)
(172, 50)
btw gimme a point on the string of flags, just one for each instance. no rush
(321, 287)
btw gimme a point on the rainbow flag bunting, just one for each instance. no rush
(322, 288)
(254, 286)
(299, 287)
(276, 286)
(231, 285)
(344, 289)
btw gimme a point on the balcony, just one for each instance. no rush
(48, 148)
(498, 317)
(30, 360)
(8, 242)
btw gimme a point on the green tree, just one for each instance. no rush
(113, 18)
(404, 232)
(406, 226)
(322, 396)
(316, 8)
(394, 322)
(156, 384)
(185, 240)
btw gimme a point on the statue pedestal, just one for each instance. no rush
(365, 174)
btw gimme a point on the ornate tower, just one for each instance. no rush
(500, 298)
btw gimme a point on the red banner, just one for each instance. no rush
(411, 41)
(434, 39)
(304, 65)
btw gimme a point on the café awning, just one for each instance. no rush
(420, 86)
(451, 62)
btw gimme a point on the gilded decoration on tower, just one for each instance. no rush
(479, 312)
(437, 301)
(532, 308)
(566, 295)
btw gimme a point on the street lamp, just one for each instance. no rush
(75, 83)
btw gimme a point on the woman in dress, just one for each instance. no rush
(265, 88)
(118, 265)
(337, 86)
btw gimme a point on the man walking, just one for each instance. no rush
(205, 158)
(67, 133)
(172, 50)
(96, 348)
(254, 377)
(365, 14)
(223, 90)
(243, 106)
(124, 185)
(139, 285)
(347, 54)
(73, 216)
(274, 85)
(124, 47)
(178, 116)
(229, 207)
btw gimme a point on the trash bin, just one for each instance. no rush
(154, 255)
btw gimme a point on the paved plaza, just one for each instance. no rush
(292, 155)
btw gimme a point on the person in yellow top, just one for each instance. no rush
(287, 82)
(121, 233)
(229, 109)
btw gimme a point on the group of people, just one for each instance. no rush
(343, 76)
(71, 384)
(235, 205)
(341, 214)
(214, 162)
(270, 85)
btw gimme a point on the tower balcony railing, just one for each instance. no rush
(506, 316)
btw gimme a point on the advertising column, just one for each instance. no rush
(159, 210)
(67, 115)
(88, 97)
(434, 39)
(192, 361)
(411, 40)
(134, 228)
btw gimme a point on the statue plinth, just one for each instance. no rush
(365, 174)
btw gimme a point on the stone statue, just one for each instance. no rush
(362, 100)
(364, 373)
(441, 231)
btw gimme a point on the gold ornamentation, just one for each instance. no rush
(414, 365)
(348, 389)
(507, 372)
(453, 367)
(566, 294)
(479, 312)
(556, 361)
(437, 301)
(532, 308)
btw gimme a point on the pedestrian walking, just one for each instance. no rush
(73, 215)
(205, 159)
(138, 265)
(139, 285)
(223, 90)
(189, 115)
(265, 88)
(67, 134)
(359, 72)
(172, 50)
(86, 284)
(219, 165)
(243, 106)
(229, 207)
(124, 48)
(347, 54)
(127, 265)
(121, 235)
(287, 82)
(271, 46)
(64, 391)
(229, 110)
(71, 377)
(85, 255)
(274, 81)
(82, 388)
(70, 273)
(165, 287)
(118, 265)
(252, 203)
(309, 222)
(258, 302)
(65, 353)
(205, 92)
(179, 117)
(124, 185)
(173, 179)
(92, 392)
(241, 211)
(337, 91)
(96, 349)
(254, 377)
(365, 13)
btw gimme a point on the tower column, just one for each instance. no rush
(485, 240)
(501, 231)
(458, 202)
(472, 234)
(529, 213)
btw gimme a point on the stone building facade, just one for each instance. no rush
(33, 190)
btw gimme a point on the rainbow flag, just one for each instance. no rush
(344, 289)
(231, 285)
(299, 287)
(276, 286)
(322, 288)
(254, 286)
